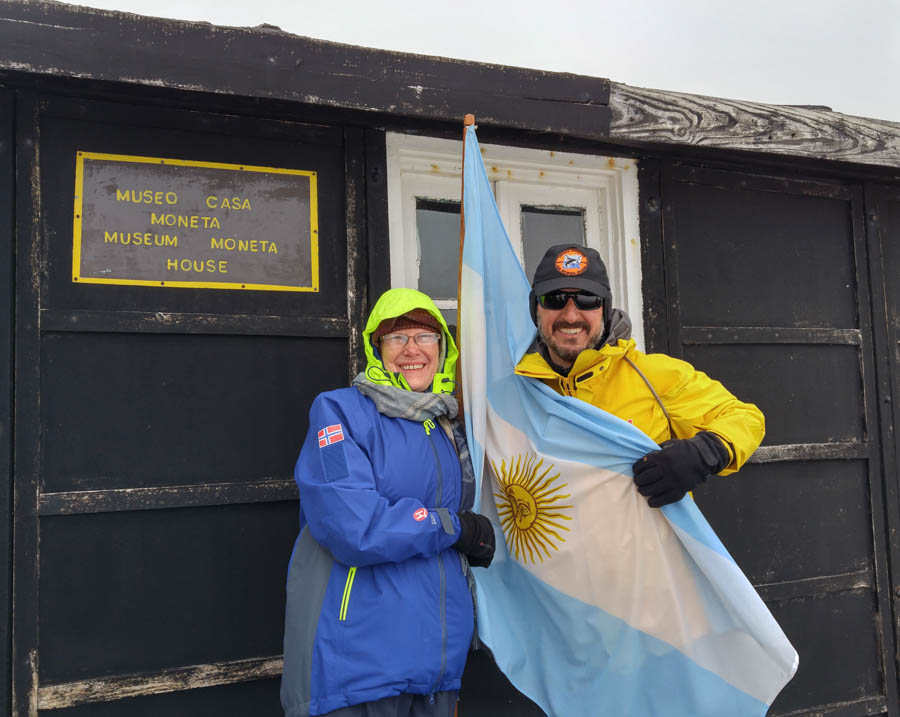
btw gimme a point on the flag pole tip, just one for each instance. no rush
(469, 120)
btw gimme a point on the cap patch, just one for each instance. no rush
(571, 262)
(330, 434)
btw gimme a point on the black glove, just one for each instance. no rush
(476, 539)
(664, 476)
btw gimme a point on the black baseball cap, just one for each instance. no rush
(570, 266)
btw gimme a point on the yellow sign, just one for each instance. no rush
(149, 221)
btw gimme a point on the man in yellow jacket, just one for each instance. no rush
(584, 349)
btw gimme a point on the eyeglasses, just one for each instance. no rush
(557, 300)
(399, 340)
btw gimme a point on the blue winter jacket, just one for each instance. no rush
(378, 602)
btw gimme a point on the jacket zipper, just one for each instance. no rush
(440, 562)
(345, 601)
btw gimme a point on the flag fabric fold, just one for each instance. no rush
(595, 604)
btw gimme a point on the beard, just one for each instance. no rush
(570, 352)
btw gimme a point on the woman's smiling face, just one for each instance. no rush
(416, 362)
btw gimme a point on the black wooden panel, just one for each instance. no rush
(256, 699)
(792, 521)
(133, 410)
(748, 257)
(838, 647)
(377, 229)
(809, 394)
(7, 169)
(890, 247)
(652, 257)
(487, 693)
(143, 591)
(168, 133)
(883, 210)
(263, 62)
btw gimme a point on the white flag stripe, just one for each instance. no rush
(474, 373)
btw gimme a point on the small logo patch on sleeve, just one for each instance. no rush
(420, 514)
(331, 434)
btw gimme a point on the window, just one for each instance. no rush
(544, 198)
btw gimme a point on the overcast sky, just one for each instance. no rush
(844, 54)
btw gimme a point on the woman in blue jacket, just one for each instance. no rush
(379, 610)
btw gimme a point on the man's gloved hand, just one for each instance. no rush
(664, 476)
(476, 539)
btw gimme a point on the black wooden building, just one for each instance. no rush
(148, 431)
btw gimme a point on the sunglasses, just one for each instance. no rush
(557, 300)
(398, 340)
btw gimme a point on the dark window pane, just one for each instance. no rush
(437, 227)
(542, 227)
(450, 317)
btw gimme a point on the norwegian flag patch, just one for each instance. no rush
(331, 434)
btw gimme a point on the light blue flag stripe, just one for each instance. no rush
(600, 665)
(605, 668)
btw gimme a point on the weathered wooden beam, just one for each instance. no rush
(107, 689)
(765, 335)
(852, 708)
(264, 62)
(267, 490)
(7, 368)
(671, 118)
(355, 221)
(810, 452)
(817, 587)
(169, 322)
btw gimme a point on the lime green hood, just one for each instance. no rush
(394, 303)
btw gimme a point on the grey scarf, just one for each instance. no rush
(412, 405)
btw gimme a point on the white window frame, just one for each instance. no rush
(425, 167)
(512, 196)
(406, 254)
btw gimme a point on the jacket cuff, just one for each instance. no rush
(713, 450)
(446, 521)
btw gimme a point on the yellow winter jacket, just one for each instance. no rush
(694, 401)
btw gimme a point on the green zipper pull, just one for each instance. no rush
(429, 426)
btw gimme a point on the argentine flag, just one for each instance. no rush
(596, 605)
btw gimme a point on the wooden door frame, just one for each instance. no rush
(7, 304)
(27, 454)
(667, 333)
(887, 341)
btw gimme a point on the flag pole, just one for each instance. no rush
(468, 121)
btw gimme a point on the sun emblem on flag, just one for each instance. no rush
(529, 509)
